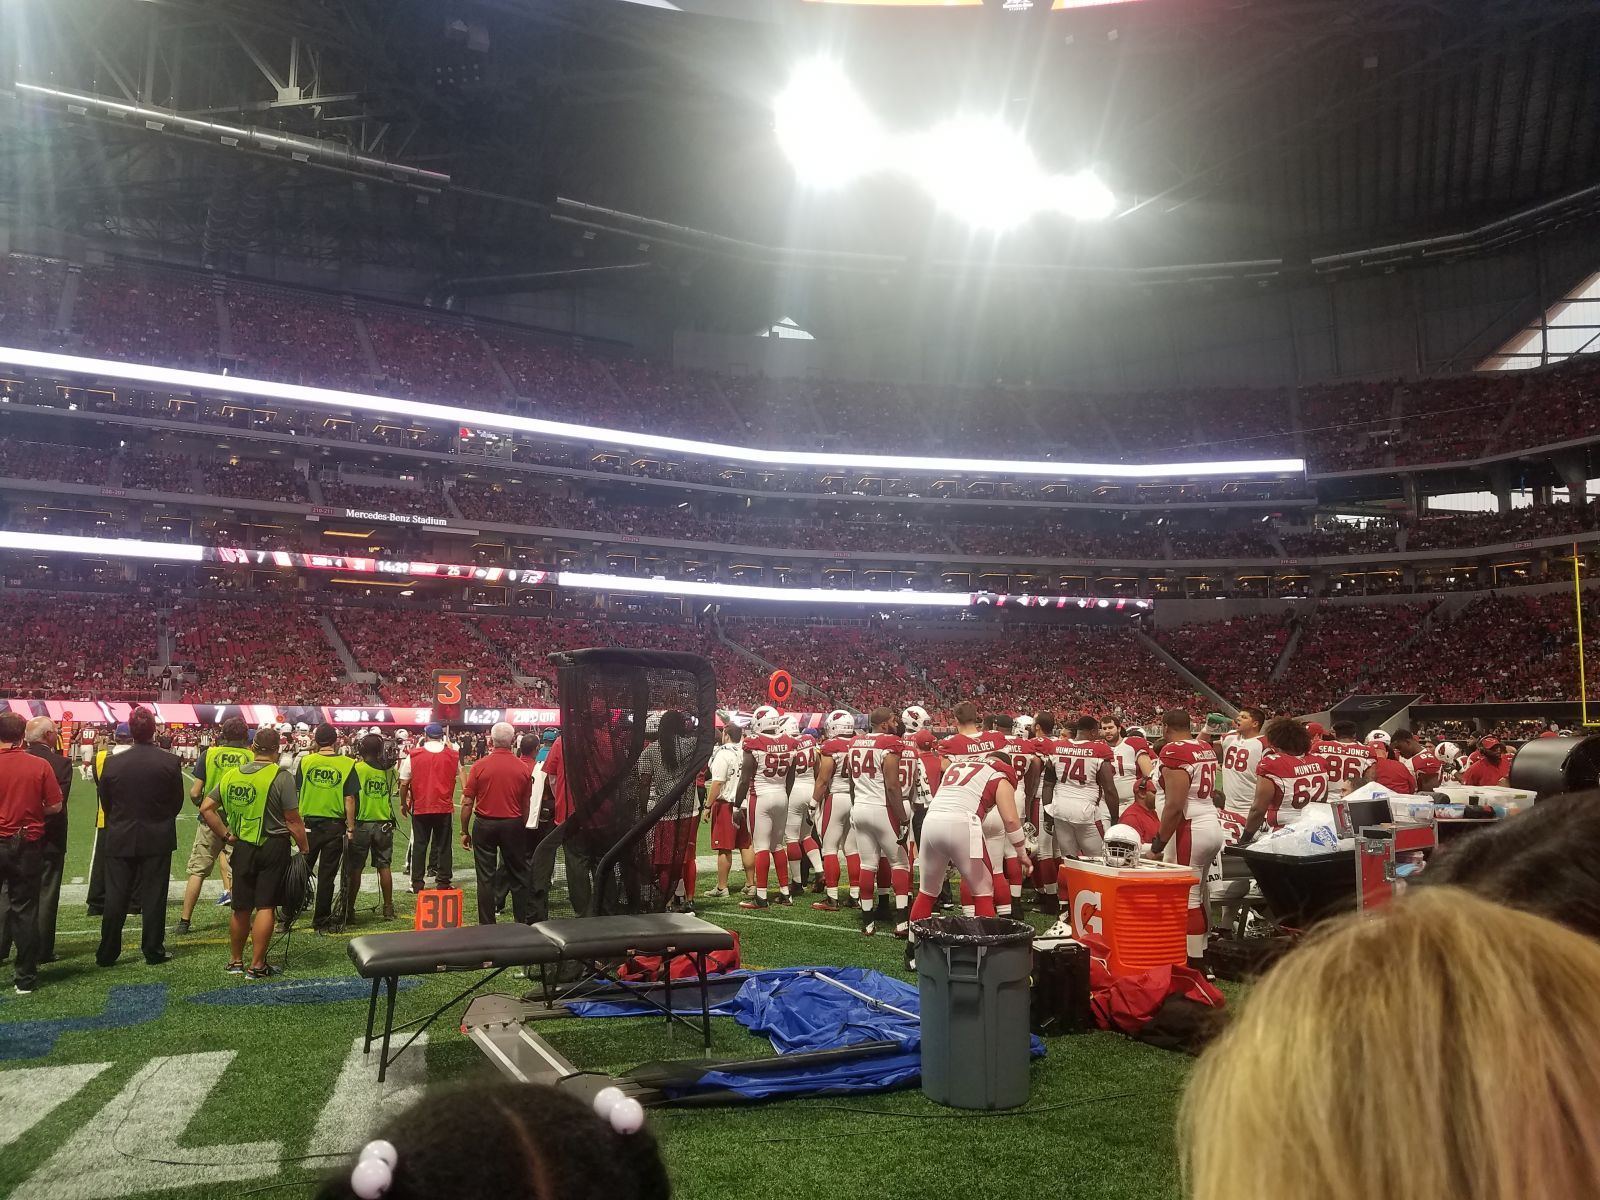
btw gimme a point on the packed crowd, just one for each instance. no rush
(254, 650)
(405, 665)
(21, 459)
(426, 499)
(1336, 539)
(1236, 656)
(297, 337)
(78, 647)
(147, 471)
(1484, 529)
(253, 479)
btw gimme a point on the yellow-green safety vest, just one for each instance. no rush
(322, 778)
(244, 800)
(375, 801)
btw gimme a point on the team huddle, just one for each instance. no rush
(1003, 801)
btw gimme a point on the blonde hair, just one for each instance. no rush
(1448, 1048)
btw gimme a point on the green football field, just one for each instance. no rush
(182, 1081)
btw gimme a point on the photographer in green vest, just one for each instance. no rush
(255, 808)
(370, 793)
(322, 774)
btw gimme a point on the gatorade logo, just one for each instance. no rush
(1084, 904)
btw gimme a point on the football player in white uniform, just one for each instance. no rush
(831, 796)
(1240, 755)
(768, 768)
(881, 779)
(797, 832)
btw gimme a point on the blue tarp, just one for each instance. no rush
(798, 1012)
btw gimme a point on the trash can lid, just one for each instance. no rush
(972, 931)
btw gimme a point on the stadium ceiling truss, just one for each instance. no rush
(398, 133)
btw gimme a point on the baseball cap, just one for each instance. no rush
(1315, 729)
(1489, 743)
(550, 735)
(123, 730)
(433, 729)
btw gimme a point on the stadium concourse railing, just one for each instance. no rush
(601, 537)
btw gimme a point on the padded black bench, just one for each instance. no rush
(596, 941)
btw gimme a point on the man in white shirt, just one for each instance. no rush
(727, 832)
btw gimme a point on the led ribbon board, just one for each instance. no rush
(201, 381)
(60, 543)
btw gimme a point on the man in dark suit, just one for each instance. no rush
(141, 792)
(39, 739)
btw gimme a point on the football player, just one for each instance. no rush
(953, 831)
(1347, 759)
(1423, 764)
(1191, 830)
(831, 794)
(1085, 802)
(1240, 752)
(968, 743)
(1040, 784)
(1290, 778)
(880, 780)
(1492, 766)
(797, 831)
(768, 772)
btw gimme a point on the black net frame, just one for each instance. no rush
(625, 851)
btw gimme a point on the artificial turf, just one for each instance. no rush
(1098, 1124)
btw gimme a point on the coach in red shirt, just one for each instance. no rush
(498, 789)
(1492, 769)
(28, 794)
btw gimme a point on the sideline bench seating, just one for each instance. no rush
(594, 941)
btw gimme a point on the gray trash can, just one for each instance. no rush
(973, 974)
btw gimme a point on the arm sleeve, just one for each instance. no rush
(288, 794)
(352, 785)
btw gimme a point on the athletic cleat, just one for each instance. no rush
(849, 902)
(825, 905)
(1047, 904)
(903, 930)
(225, 899)
(754, 902)
(786, 900)
(22, 989)
(818, 887)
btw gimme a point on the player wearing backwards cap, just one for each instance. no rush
(882, 775)
(1291, 777)
(1240, 752)
(768, 771)
(975, 782)
(798, 837)
(1191, 831)
(831, 794)
(1346, 758)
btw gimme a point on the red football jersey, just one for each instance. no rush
(1296, 782)
(1484, 773)
(1199, 762)
(971, 787)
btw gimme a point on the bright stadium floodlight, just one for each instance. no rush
(125, 547)
(591, 581)
(1082, 196)
(825, 128)
(978, 169)
(298, 393)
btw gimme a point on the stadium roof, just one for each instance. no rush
(1288, 131)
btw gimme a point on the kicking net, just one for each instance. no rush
(637, 727)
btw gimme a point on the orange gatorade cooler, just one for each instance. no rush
(1140, 913)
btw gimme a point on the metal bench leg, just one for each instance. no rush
(388, 1026)
(705, 1000)
(666, 963)
(372, 1015)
